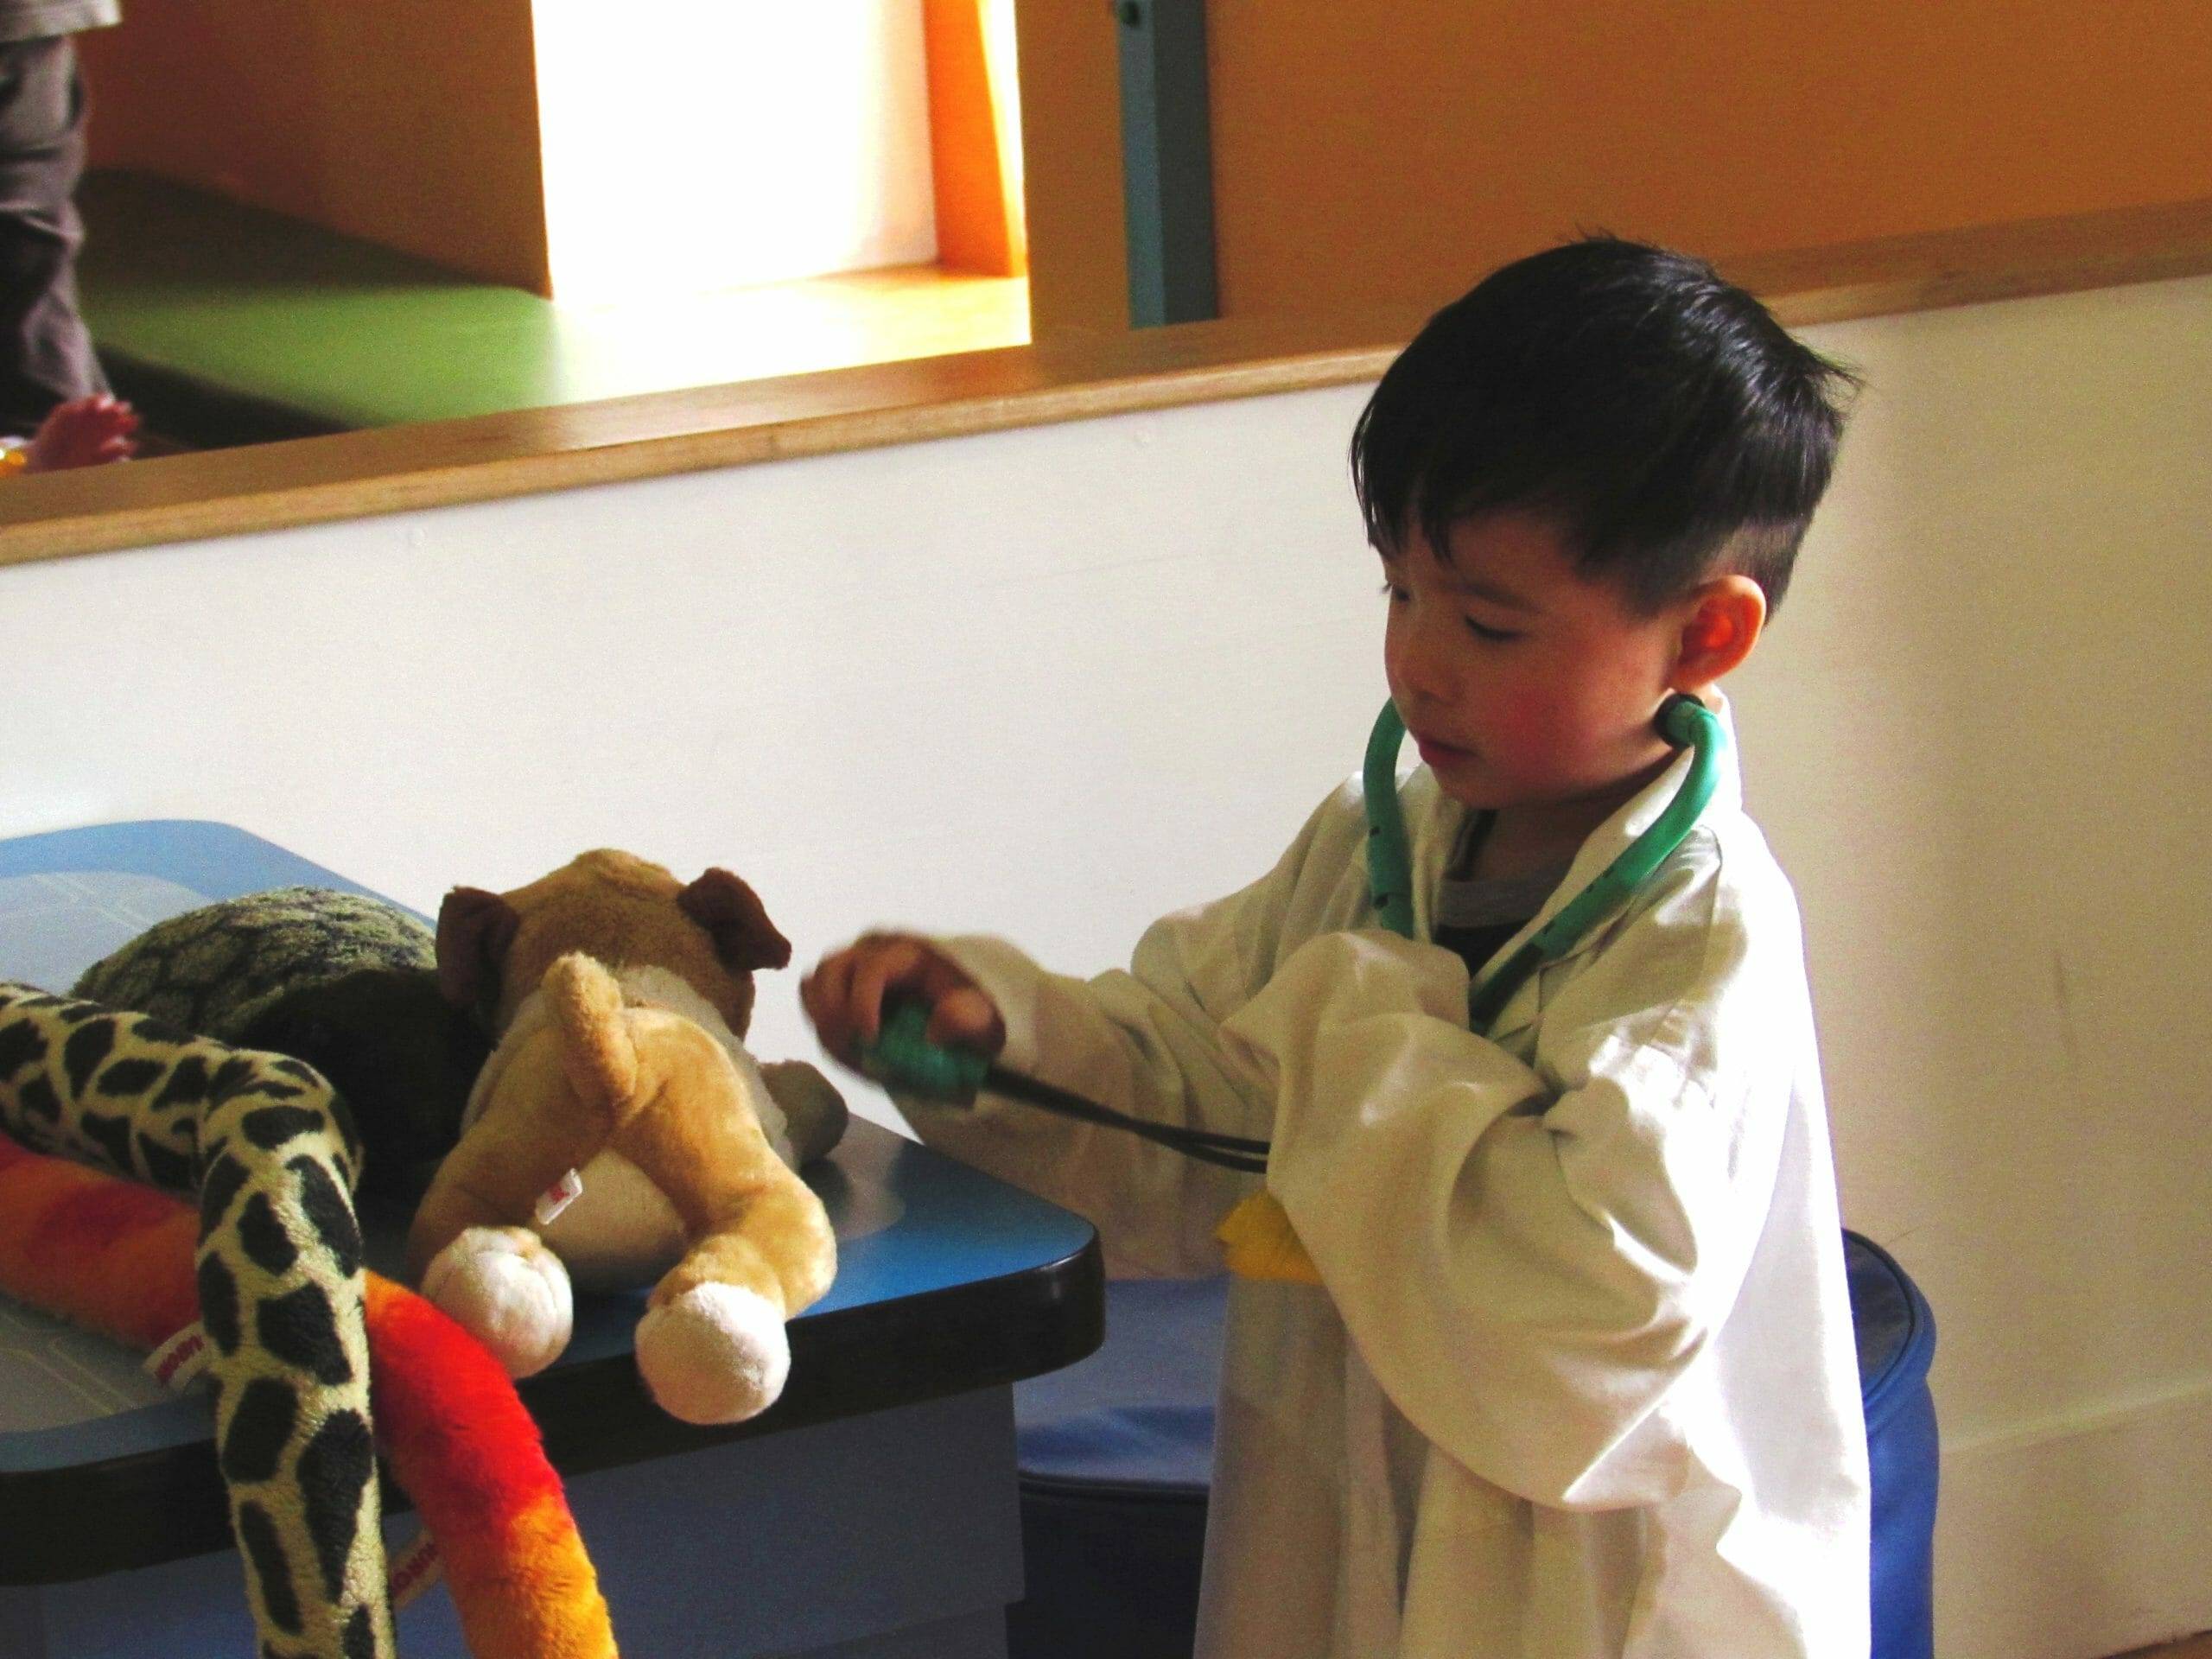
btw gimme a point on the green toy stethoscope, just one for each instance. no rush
(903, 1058)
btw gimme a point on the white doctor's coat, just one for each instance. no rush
(1580, 1377)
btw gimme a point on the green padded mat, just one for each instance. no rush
(190, 295)
(230, 324)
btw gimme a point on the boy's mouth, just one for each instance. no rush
(1436, 752)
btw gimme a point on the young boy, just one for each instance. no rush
(1578, 1377)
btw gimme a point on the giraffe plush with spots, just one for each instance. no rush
(278, 1271)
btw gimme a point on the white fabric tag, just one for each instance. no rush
(413, 1570)
(177, 1363)
(558, 1197)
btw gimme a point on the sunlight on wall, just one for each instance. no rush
(710, 145)
(976, 137)
(1006, 85)
(1006, 117)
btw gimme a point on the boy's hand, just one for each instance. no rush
(845, 993)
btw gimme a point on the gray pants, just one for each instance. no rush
(45, 355)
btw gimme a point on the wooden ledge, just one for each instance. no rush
(1983, 263)
(267, 487)
(355, 474)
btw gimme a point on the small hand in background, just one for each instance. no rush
(83, 432)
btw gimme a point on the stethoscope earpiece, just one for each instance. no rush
(1678, 719)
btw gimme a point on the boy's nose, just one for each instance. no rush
(1419, 668)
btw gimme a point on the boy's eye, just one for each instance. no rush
(1398, 594)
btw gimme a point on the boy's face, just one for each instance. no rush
(1529, 688)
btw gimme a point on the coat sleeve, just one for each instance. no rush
(1147, 1041)
(1529, 1256)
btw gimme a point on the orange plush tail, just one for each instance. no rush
(117, 1257)
(462, 1446)
(109, 1254)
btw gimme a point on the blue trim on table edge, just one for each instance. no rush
(188, 848)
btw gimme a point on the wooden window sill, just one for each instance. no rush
(356, 473)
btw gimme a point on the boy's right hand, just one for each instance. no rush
(846, 993)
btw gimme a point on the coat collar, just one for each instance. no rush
(1439, 818)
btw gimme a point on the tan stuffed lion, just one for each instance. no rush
(621, 1132)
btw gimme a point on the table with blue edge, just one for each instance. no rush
(870, 1514)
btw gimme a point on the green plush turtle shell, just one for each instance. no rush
(214, 969)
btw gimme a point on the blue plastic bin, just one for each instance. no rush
(1897, 1342)
(1116, 1454)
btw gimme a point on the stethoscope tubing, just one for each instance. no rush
(904, 1058)
(1207, 1145)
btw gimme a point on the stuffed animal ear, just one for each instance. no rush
(734, 916)
(475, 930)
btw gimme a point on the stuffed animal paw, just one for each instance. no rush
(715, 1354)
(509, 1292)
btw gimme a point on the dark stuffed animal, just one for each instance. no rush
(212, 969)
(403, 1057)
(346, 983)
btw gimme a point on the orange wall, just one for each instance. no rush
(979, 222)
(1071, 145)
(1370, 152)
(410, 123)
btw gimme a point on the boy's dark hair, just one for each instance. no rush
(1655, 413)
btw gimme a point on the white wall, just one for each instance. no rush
(1054, 682)
(1983, 744)
(694, 145)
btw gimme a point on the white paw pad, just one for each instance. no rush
(509, 1292)
(716, 1354)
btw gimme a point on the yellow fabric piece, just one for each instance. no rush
(1259, 1243)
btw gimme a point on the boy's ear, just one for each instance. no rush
(1720, 624)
